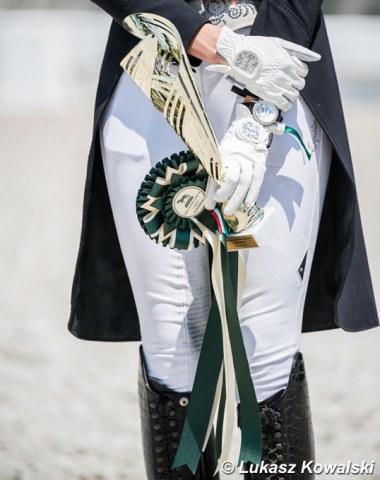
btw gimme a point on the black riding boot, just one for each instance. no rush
(287, 430)
(163, 414)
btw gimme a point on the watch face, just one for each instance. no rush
(265, 113)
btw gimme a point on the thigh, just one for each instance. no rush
(278, 273)
(171, 288)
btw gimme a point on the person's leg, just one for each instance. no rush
(278, 274)
(272, 308)
(171, 288)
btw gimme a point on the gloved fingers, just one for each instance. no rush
(291, 94)
(241, 111)
(299, 83)
(283, 103)
(286, 80)
(257, 181)
(276, 97)
(293, 81)
(303, 72)
(237, 198)
(230, 177)
(299, 51)
(310, 56)
(302, 68)
(211, 188)
(218, 68)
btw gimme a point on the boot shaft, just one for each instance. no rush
(287, 431)
(163, 412)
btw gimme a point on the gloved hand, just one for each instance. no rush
(269, 67)
(244, 151)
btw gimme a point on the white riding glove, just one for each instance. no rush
(269, 67)
(244, 151)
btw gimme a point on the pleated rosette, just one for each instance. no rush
(170, 197)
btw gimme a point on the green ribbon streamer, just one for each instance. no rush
(233, 264)
(220, 421)
(158, 196)
(202, 396)
(206, 377)
(294, 133)
(250, 449)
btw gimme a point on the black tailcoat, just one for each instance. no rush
(340, 291)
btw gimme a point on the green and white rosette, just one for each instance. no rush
(171, 195)
(170, 208)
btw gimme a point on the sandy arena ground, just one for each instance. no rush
(68, 408)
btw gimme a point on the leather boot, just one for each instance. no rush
(287, 430)
(163, 414)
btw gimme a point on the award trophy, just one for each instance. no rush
(159, 65)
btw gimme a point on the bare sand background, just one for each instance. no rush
(68, 408)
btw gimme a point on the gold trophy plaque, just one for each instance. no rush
(159, 66)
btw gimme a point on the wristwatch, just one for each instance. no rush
(264, 112)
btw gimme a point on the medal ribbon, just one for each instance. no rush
(221, 367)
(223, 363)
(293, 132)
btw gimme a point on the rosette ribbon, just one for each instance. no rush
(293, 132)
(170, 209)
